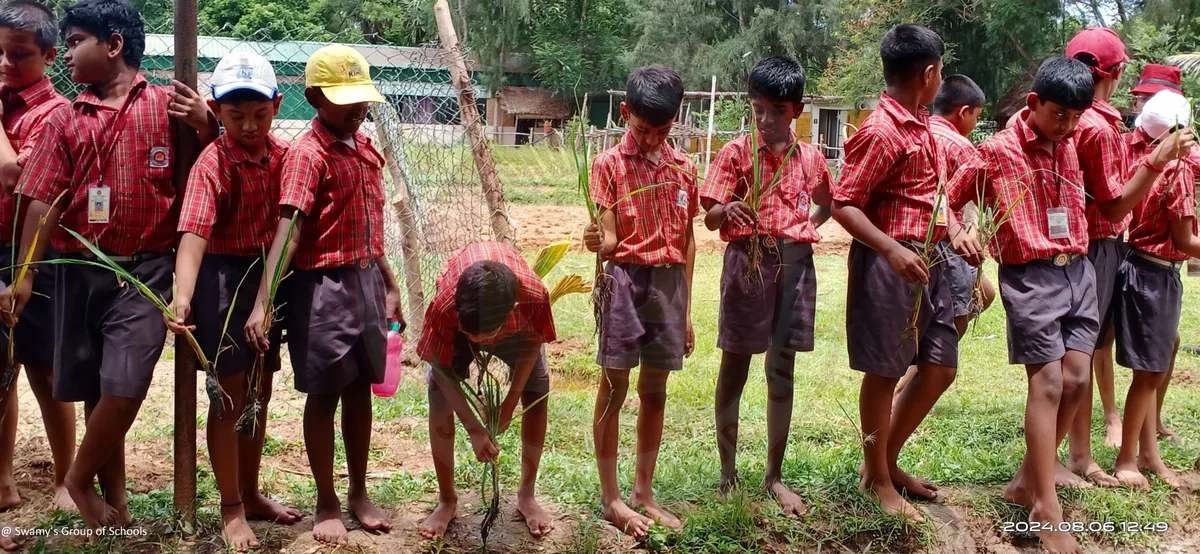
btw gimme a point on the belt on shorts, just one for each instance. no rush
(1169, 264)
(365, 263)
(134, 259)
(772, 241)
(1063, 259)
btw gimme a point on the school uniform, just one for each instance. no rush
(780, 308)
(113, 168)
(955, 151)
(530, 324)
(232, 201)
(25, 112)
(645, 319)
(1047, 286)
(1103, 160)
(1149, 296)
(335, 313)
(891, 175)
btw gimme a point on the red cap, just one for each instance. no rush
(1157, 77)
(1101, 43)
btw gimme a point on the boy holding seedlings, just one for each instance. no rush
(1047, 286)
(226, 224)
(28, 35)
(342, 291)
(771, 306)
(647, 238)
(103, 168)
(889, 199)
(1149, 296)
(487, 300)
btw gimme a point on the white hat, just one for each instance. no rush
(243, 70)
(1164, 110)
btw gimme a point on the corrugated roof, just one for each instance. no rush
(435, 90)
(299, 51)
(534, 102)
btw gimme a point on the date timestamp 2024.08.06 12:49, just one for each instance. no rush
(1086, 527)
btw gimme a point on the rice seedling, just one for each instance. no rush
(931, 256)
(10, 365)
(990, 218)
(756, 191)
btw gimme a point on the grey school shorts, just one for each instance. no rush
(108, 337)
(337, 330)
(961, 277)
(879, 305)
(1147, 308)
(1051, 309)
(507, 351)
(217, 283)
(780, 310)
(645, 320)
(1106, 256)
(34, 341)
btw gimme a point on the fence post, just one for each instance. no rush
(469, 114)
(186, 150)
(712, 110)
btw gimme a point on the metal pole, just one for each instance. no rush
(187, 147)
(712, 109)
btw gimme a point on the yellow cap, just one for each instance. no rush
(342, 74)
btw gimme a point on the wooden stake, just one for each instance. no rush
(402, 203)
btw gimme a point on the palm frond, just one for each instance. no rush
(1189, 63)
(549, 256)
(570, 284)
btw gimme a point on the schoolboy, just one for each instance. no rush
(886, 198)
(775, 311)
(28, 39)
(648, 242)
(1111, 197)
(226, 223)
(342, 290)
(1155, 78)
(488, 300)
(1162, 236)
(103, 168)
(1047, 286)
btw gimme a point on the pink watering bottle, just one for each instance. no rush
(391, 376)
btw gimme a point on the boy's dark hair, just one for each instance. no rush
(957, 91)
(654, 93)
(1066, 82)
(31, 17)
(1091, 61)
(485, 296)
(242, 95)
(907, 50)
(105, 18)
(777, 78)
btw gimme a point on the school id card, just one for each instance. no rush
(1058, 223)
(99, 203)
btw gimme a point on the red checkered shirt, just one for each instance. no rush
(1172, 198)
(890, 172)
(652, 225)
(1013, 162)
(954, 150)
(233, 201)
(1137, 146)
(24, 112)
(1102, 156)
(76, 151)
(340, 191)
(784, 209)
(531, 316)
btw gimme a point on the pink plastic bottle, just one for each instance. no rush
(391, 376)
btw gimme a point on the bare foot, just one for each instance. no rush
(1054, 541)
(891, 501)
(1015, 493)
(95, 512)
(62, 500)
(657, 513)
(728, 484)
(790, 502)
(1064, 478)
(435, 525)
(328, 527)
(914, 486)
(1091, 471)
(369, 515)
(1160, 469)
(539, 522)
(261, 508)
(235, 530)
(9, 497)
(7, 543)
(1132, 477)
(1167, 433)
(122, 516)
(628, 521)
(1112, 430)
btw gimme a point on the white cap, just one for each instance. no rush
(1164, 110)
(243, 70)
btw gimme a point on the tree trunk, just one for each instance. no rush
(1121, 11)
(1095, 4)
(469, 114)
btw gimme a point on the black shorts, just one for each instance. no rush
(1051, 309)
(227, 283)
(780, 310)
(1147, 308)
(336, 326)
(34, 339)
(645, 320)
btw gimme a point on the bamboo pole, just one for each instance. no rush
(469, 113)
(402, 204)
(187, 147)
(712, 112)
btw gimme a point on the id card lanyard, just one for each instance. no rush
(1057, 222)
(99, 195)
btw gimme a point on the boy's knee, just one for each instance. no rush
(1075, 384)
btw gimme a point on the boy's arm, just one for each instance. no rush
(689, 269)
(903, 261)
(603, 240)
(187, 265)
(188, 106)
(255, 334)
(530, 352)
(1174, 147)
(715, 214)
(485, 448)
(393, 308)
(821, 197)
(1184, 238)
(10, 171)
(14, 298)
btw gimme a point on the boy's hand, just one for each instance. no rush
(593, 238)
(183, 311)
(485, 448)
(739, 213)
(966, 243)
(907, 264)
(506, 415)
(189, 107)
(13, 300)
(689, 342)
(1176, 146)
(393, 308)
(255, 336)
